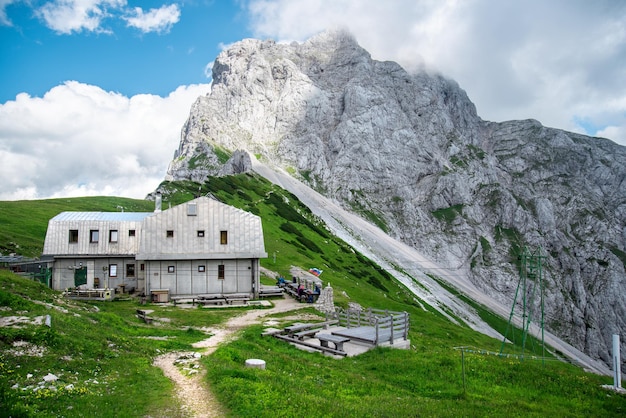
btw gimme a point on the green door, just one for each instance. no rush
(80, 276)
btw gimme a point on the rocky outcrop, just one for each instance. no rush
(409, 153)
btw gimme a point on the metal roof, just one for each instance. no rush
(102, 216)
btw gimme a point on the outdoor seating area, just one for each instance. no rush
(350, 332)
(89, 294)
(208, 300)
(301, 289)
(299, 332)
(230, 299)
(271, 291)
(372, 326)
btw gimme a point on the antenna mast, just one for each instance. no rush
(530, 280)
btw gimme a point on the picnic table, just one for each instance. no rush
(208, 300)
(270, 291)
(305, 295)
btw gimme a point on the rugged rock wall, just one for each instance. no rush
(409, 153)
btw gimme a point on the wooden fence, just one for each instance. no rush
(382, 325)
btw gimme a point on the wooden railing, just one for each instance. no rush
(388, 325)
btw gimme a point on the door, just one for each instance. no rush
(80, 276)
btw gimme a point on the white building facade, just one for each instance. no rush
(201, 247)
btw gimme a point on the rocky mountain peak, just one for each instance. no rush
(408, 152)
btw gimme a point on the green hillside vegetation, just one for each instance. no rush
(101, 355)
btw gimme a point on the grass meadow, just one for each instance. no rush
(102, 354)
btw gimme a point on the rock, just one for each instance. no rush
(50, 378)
(411, 151)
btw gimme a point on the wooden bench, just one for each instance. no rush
(304, 329)
(314, 346)
(143, 315)
(231, 299)
(307, 333)
(269, 292)
(211, 301)
(335, 339)
(291, 291)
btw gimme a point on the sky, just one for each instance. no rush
(94, 93)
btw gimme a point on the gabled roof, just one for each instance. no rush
(102, 216)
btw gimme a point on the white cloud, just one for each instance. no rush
(559, 62)
(79, 140)
(158, 20)
(4, 19)
(67, 16)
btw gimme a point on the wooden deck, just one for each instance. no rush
(372, 326)
(363, 334)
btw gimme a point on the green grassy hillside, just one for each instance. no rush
(105, 342)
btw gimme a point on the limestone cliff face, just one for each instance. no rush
(409, 153)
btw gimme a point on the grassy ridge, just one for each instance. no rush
(105, 344)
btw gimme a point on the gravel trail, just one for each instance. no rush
(192, 391)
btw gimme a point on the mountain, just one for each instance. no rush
(409, 153)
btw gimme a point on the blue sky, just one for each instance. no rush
(38, 54)
(94, 93)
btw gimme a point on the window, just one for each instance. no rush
(142, 267)
(223, 237)
(220, 272)
(201, 269)
(171, 269)
(131, 232)
(113, 235)
(192, 209)
(130, 270)
(200, 234)
(169, 233)
(94, 236)
(73, 235)
(112, 270)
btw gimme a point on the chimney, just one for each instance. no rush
(157, 202)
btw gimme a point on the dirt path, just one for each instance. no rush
(192, 391)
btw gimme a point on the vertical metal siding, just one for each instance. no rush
(57, 238)
(245, 234)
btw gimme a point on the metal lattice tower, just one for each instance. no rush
(530, 282)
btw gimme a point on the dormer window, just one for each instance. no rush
(192, 209)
